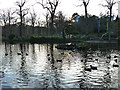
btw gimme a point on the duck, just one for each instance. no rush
(115, 65)
(6, 54)
(109, 57)
(23, 58)
(90, 58)
(107, 61)
(49, 58)
(48, 54)
(82, 60)
(116, 60)
(93, 67)
(59, 60)
(26, 54)
(62, 53)
(115, 56)
(18, 53)
(70, 52)
(96, 59)
(87, 69)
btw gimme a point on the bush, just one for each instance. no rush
(11, 36)
(41, 39)
(84, 37)
(106, 35)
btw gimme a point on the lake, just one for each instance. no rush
(44, 66)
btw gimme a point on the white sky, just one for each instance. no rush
(66, 6)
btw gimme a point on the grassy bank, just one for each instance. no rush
(56, 39)
(39, 39)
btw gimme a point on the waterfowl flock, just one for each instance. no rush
(108, 60)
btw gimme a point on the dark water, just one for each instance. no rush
(38, 66)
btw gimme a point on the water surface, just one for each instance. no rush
(36, 66)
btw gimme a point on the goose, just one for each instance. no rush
(115, 65)
(93, 67)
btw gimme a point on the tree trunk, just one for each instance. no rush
(85, 11)
(52, 24)
(110, 13)
(20, 21)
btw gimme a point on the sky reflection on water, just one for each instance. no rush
(37, 67)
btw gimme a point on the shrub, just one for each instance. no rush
(84, 37)
(11, 36)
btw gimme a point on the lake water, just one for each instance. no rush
(37, 66)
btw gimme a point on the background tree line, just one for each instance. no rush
(23, 22)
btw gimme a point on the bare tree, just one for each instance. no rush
(10, 13)
(47, 22)
(51, 7)
(22, 12)
(109, 5)
(6, 18)
(85, 3)
(33, 19)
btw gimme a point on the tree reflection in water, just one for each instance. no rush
(23, 73)
(35, 70)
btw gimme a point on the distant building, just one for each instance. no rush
(76, 18)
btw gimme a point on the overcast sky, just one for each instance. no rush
(66, 6)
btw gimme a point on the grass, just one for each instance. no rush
(50, 39)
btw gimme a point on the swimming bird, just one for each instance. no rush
(115, 65)
(18, 53)
(82, 60)
(6, 54)
(62, 53)
(49, 58)
(96, 59)
(115, 56)
(48, 54)
(70, 52)
(59, 60)
(90, 58)
(26, 54)
(115, 60)
(87, 69)
(109, 57)
(107, 61)
(93, 67)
